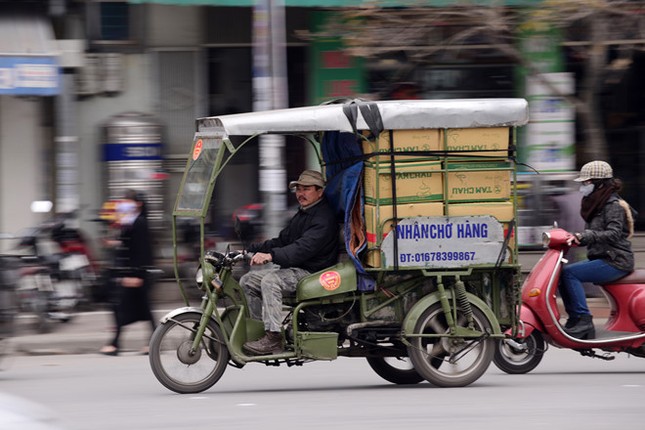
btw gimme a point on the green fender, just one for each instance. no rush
(413, 315)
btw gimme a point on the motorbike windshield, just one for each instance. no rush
(201, 164)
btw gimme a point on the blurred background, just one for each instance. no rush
(97, 96)
(101, 96)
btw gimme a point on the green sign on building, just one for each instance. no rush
(334, 74)
(548, 143)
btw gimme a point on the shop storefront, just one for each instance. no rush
(29, 78)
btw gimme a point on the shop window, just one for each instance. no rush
(115, 19)
(114, 25)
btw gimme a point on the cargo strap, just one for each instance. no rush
(395, 215)
(507, 238)
(370, 113)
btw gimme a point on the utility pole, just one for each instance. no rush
(270, 92)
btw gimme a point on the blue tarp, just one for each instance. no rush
(343, 157)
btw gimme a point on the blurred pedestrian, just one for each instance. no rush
(609, 224)
(132, 281)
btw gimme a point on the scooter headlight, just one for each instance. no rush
(546, 239)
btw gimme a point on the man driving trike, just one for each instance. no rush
(307, 244)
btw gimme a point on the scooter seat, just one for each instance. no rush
(636, 277)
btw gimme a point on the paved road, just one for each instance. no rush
(566, 392)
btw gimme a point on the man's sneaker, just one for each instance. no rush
(270, 343)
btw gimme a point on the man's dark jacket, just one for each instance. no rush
(309, 241)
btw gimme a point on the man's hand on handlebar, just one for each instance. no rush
(261, 258)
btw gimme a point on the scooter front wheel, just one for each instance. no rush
(176, 365)
(519, 356)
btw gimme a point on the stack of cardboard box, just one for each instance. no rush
(450, 172)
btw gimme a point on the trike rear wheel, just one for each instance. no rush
(395, 370)
(450, 361)
(176, 365)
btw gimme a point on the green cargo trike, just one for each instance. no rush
(429, 277)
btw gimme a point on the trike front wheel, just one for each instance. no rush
(174, 362)
(450, 361)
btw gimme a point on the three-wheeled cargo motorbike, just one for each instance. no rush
(429, 278)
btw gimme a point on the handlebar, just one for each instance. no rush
(227, 259)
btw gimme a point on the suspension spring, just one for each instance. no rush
(462, 300)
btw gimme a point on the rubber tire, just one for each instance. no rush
(393, 374)
(166, 379)
(506, 358)
(432, 371)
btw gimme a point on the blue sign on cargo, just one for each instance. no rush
(444, 242)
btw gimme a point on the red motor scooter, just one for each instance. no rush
(624, 330)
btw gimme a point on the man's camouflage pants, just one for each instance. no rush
(264, 291)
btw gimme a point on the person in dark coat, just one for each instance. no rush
(133, 259)
(308, 243)
(609, 224)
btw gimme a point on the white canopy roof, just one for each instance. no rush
(395, 114)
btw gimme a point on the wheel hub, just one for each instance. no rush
(186, 354)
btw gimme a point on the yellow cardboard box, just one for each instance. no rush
(415, 182)
(478, 181)
(503, 211)
(378, 220)
(480, 140)
(404, 140)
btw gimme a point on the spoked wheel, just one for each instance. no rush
(518, 356)
(395, 370)
(450, 362)
(176, 366)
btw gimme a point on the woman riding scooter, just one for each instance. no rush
(609, 223)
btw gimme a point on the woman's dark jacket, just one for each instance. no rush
(309, 241)
(606, 236)
(136, 248)
(134, 257)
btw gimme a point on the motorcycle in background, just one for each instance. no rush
(57, 273)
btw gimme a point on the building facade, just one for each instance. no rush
(179, 60)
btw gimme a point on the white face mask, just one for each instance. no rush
(127, 212)
(586, 189)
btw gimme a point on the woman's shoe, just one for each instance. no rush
(109, 350)
(583, 328)
(572, 321)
